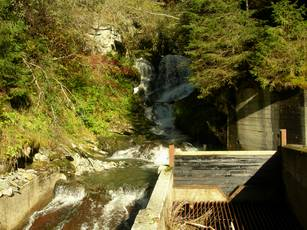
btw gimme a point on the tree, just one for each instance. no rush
(280, 60)
(12, 43)
(221, 38)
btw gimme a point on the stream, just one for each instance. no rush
(112, 198)
(105, 200)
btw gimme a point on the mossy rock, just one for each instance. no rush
(115, 143)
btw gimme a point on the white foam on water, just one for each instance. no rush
(147, 72)
(88, 226)
(157, 155)
(160, 155)
(116, 208)
(65, 196)
(126, 153)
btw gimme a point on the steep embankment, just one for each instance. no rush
(67, 71)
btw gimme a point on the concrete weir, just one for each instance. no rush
(229, 190)
(15, 210)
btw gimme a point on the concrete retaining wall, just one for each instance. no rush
(294, 171)
(203, 175)
(15, 210)
(260, 114)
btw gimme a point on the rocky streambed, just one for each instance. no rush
(102, 191)
(12, 183)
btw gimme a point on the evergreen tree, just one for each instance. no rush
(221, 37)
(12, 42)
(280, 60)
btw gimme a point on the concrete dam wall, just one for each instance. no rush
(261, 190)
(260, 114)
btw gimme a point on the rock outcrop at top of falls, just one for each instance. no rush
(105, 39)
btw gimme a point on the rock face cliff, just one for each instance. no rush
(104, 39)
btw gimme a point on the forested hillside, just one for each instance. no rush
(55, 87)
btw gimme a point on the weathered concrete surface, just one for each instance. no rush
(198, 194)
(156, 213)
(15, 210)
(294, 162)
(260, 114)
(236, 153)
(223, 169)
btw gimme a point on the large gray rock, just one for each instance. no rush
(83, 165)
(12, 182)
(105, 39)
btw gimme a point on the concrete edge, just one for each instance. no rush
(155, 214)
(230, 153)
(15, 210)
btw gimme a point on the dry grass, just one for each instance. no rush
(179, 221)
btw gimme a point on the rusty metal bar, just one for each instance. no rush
(258, 213)
(251, 219)
(214, 216)
(235, 216)
(228, 218)
(209, 219)
(266, 215)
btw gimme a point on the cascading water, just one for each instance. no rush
(104, 201)
(65, 201)
(111, 199)
(162, 89)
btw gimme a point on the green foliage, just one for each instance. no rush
(220, 39)
(232, 40)
(280, 60)
(144, 25)
(12, 71)
(51, 89)
(103, 107)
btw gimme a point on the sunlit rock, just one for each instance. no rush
(105, 39)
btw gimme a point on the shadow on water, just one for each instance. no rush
(134, 210)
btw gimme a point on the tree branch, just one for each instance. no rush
(153, 13)
(63, 87)
(40, 92)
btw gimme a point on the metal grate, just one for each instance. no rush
(231, 216)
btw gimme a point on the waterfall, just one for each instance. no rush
(162, 89)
